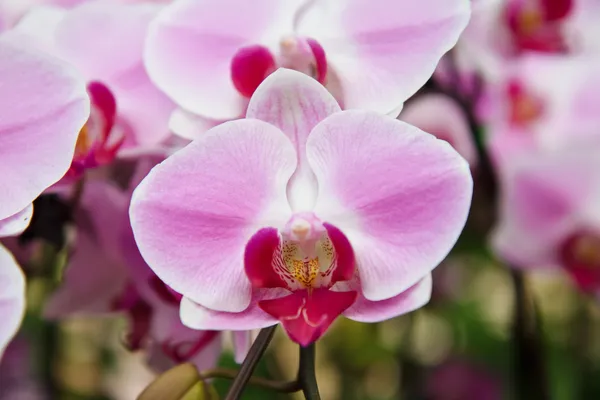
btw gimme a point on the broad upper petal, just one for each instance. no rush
(399, 195)
(381, 52)
(191, 43)
(295, 103)
(194, 213)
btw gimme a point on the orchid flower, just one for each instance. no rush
(210, 56)
(301, 212)
(129, 115)
(441, 116)
(525, 113)
(549, 218)
(42, 107)
(501, 31)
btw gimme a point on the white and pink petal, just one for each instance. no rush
(399, 195)
(194, 213)
(41, 119)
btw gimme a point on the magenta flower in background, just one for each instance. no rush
(501, 31)
(301, 212)
(526, 113)
(538, 25)
(441, 116)
(129, 115)
(43, 105)
(210, 56)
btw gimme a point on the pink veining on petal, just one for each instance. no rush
(306, 315)
(249, 67)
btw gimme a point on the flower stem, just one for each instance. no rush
(306, 373)
(529, 367)
(250, 362)
(277, 386)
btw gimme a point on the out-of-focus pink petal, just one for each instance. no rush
(191, 44)
(12, 297)
(43, 106)
(39, 27)
(400, 196)
(209, 356)
(95, 275)
(295, 103)
(15, 224)
(382, 52)
(545, 196)
(253, 317)
(242, 340)
(188, 125)
(142, 108)
(364, 310)
(86, 37)
(194, 213)
(442, 117)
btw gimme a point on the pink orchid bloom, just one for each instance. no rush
(301, 212)
(129, 115)
(210, 56)
(106, 275)
(549, 217)
(501, 31)
(441, 116)
(525, 112)
(537, 25)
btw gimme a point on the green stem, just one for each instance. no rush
(529, 363)
(306, 373)
(250, 362)
(277, 386)
(581, 339)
